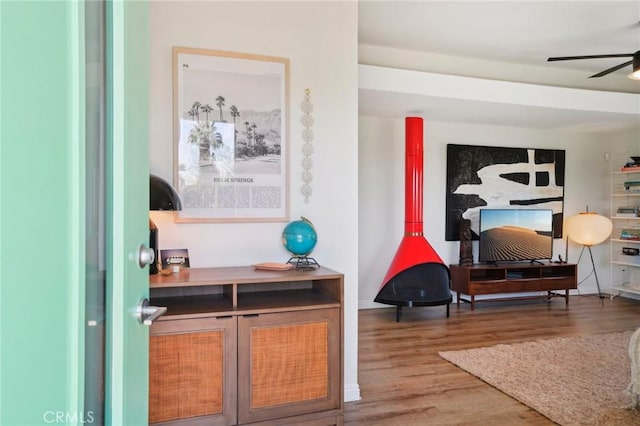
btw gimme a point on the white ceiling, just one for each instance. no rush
(504, 40)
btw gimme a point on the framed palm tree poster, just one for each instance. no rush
(230, 136)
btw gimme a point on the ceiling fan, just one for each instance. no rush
(635, 62)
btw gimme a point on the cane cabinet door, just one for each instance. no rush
(192, 371)
(288, 364)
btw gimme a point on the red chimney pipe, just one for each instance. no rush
(414, 248)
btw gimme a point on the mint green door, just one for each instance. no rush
(45, 363)
(114, 155)
(128, 223)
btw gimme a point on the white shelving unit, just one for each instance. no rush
(625, 268)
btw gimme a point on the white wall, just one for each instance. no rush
(381, 146)
(320, 40)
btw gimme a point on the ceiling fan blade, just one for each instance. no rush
(570, 58)
(612, 69)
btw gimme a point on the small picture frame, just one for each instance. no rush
(174, 257)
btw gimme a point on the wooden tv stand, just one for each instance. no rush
(513, 278)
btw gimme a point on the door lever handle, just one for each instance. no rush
(147, 314)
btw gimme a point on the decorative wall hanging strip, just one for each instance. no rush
(307, 148)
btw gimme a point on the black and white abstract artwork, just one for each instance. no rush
(497, 177)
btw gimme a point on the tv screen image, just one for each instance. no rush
(515, 235)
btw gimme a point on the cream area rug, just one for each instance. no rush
(572, 381)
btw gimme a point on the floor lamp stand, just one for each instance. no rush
(595, 274)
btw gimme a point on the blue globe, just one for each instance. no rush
(299, 237)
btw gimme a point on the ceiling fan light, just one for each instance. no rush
(635, 75)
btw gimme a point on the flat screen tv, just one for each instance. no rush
(508, 235)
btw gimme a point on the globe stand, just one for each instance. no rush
(303, 263)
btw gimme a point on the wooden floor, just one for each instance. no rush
(403, 381)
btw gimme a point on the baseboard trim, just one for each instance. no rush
(370, 304)
(351, 393)
(584, 290)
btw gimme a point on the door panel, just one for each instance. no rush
(41, 213)
(43, 246)
(288, 364)
(192, 371)
(128, 210)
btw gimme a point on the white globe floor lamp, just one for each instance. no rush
(589, 229)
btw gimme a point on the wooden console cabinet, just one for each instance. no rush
(513, 278)
(245, 346)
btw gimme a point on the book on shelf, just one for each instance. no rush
(627, 211)
(631, 166)
(632, 186)
(630, 234)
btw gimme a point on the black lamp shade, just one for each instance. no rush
(162, 196)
